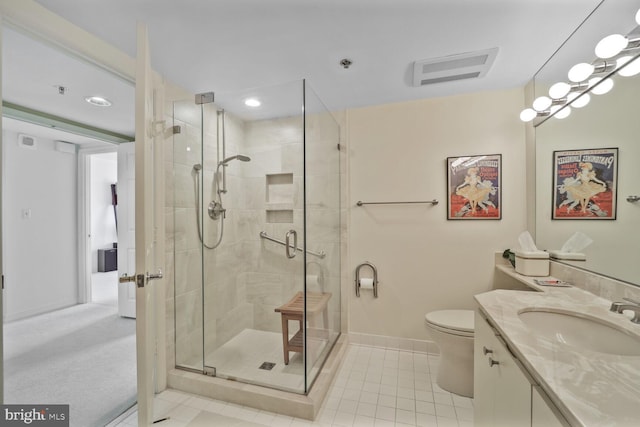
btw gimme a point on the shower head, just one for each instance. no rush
(238, 157)
(197, 167)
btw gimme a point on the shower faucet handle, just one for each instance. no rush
(216, 210)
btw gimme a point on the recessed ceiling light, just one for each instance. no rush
(252, 102)
(98, 100)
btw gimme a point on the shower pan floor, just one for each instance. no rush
(242, 357)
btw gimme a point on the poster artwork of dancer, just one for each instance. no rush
(584, 183)
(473, 184)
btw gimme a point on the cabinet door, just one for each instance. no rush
(502, 392)
(483, 375)
(544, 413)
(513, 390)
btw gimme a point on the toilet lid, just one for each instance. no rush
(458, 320)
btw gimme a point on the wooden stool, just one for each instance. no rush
(293, 310)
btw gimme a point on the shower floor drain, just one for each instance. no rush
(267, 366)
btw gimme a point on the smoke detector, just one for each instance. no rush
(470, 65)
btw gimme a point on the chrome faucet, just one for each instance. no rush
(619, 307)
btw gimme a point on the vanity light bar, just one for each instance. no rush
(614, 52)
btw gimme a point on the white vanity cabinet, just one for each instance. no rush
(502, 392)
(504, 395)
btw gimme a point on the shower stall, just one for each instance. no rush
(257, 230)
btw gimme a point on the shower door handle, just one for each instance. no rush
(288, 244)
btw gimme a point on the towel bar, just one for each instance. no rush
(432, 202)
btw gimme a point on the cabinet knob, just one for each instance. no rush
(493, 362)
(486, 351)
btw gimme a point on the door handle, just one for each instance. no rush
(141, 279)
(155, 276)
(126, 279)
(288, 244)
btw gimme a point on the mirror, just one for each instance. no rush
(608, 121)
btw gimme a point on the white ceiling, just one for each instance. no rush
(232, 45)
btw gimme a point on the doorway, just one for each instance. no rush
(57, 348)
(103, 237)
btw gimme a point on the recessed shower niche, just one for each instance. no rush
(279, 197)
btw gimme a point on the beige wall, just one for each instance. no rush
(398, 152)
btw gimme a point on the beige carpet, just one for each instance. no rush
(84, 356)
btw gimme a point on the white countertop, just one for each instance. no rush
(589, 388)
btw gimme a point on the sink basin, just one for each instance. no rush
(583, 332)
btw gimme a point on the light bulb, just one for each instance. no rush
(638, 17)
(630, 69)
(580, 101)
(98, 101)
(563, 113)
(541, 103)
(252, 102)
(528, 114)
(559, 90)
(620, 62)
(611, 45)
(555, 108)
(580, 72)
(600, 87)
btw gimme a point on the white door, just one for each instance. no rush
(1, 239)
(126, 228)
(148, 206)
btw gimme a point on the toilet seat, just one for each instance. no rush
(456, 322)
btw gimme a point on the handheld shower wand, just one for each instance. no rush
(240, 157)
(225, 163)
(215, 208)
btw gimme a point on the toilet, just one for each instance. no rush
(452, 331)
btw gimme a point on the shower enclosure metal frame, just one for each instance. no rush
(290, 186)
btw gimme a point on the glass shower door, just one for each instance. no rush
(323, 227)
(188, 250)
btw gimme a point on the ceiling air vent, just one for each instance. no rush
(470, 65)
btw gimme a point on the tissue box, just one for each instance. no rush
(532, 263)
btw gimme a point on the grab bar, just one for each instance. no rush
(375, 278)
(287, 245)
(432, 202)
(264, 235)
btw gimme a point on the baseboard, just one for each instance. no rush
(404, 344)
(36, 311)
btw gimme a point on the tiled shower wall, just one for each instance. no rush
(247, 278)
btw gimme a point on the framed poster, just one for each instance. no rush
(474, 187)
(585, 184)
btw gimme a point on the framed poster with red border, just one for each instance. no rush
(585, 184)
(474, 187)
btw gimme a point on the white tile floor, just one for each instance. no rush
(375, 387)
